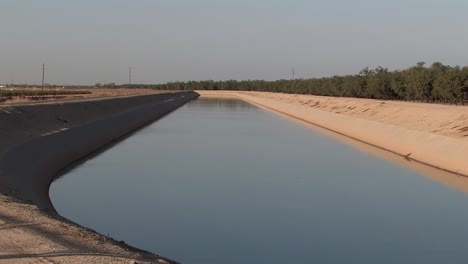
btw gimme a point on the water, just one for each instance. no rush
(222, 181)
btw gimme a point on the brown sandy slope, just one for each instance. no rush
(435, 135)
(28, 235)
(446, 120)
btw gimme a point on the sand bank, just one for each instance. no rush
(36, 143)
(435, 135)
(28, 235)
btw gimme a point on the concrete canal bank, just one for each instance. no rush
(37, 141)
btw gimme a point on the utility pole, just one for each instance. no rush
(43, 72)
(129, 77)
(293, 73)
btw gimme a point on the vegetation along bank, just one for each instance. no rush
(437, 83)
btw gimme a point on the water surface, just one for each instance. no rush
(222, 181)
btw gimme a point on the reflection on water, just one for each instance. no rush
(457, 182)
(225, 105)
(221, 181)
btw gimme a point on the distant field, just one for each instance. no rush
(20, 95)
(31, 92)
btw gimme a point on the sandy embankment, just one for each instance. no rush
(36, 143)
(435, 135)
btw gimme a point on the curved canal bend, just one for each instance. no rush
(222, 181)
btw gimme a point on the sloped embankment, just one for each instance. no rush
(38, 141)
(393, 130)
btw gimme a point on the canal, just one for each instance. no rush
(222, 181)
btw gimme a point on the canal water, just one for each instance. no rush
(222, 181)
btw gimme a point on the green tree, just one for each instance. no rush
(379, 84)
(419, 81)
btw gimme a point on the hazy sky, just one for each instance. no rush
(90, 41)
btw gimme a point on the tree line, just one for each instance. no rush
(437, 83)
